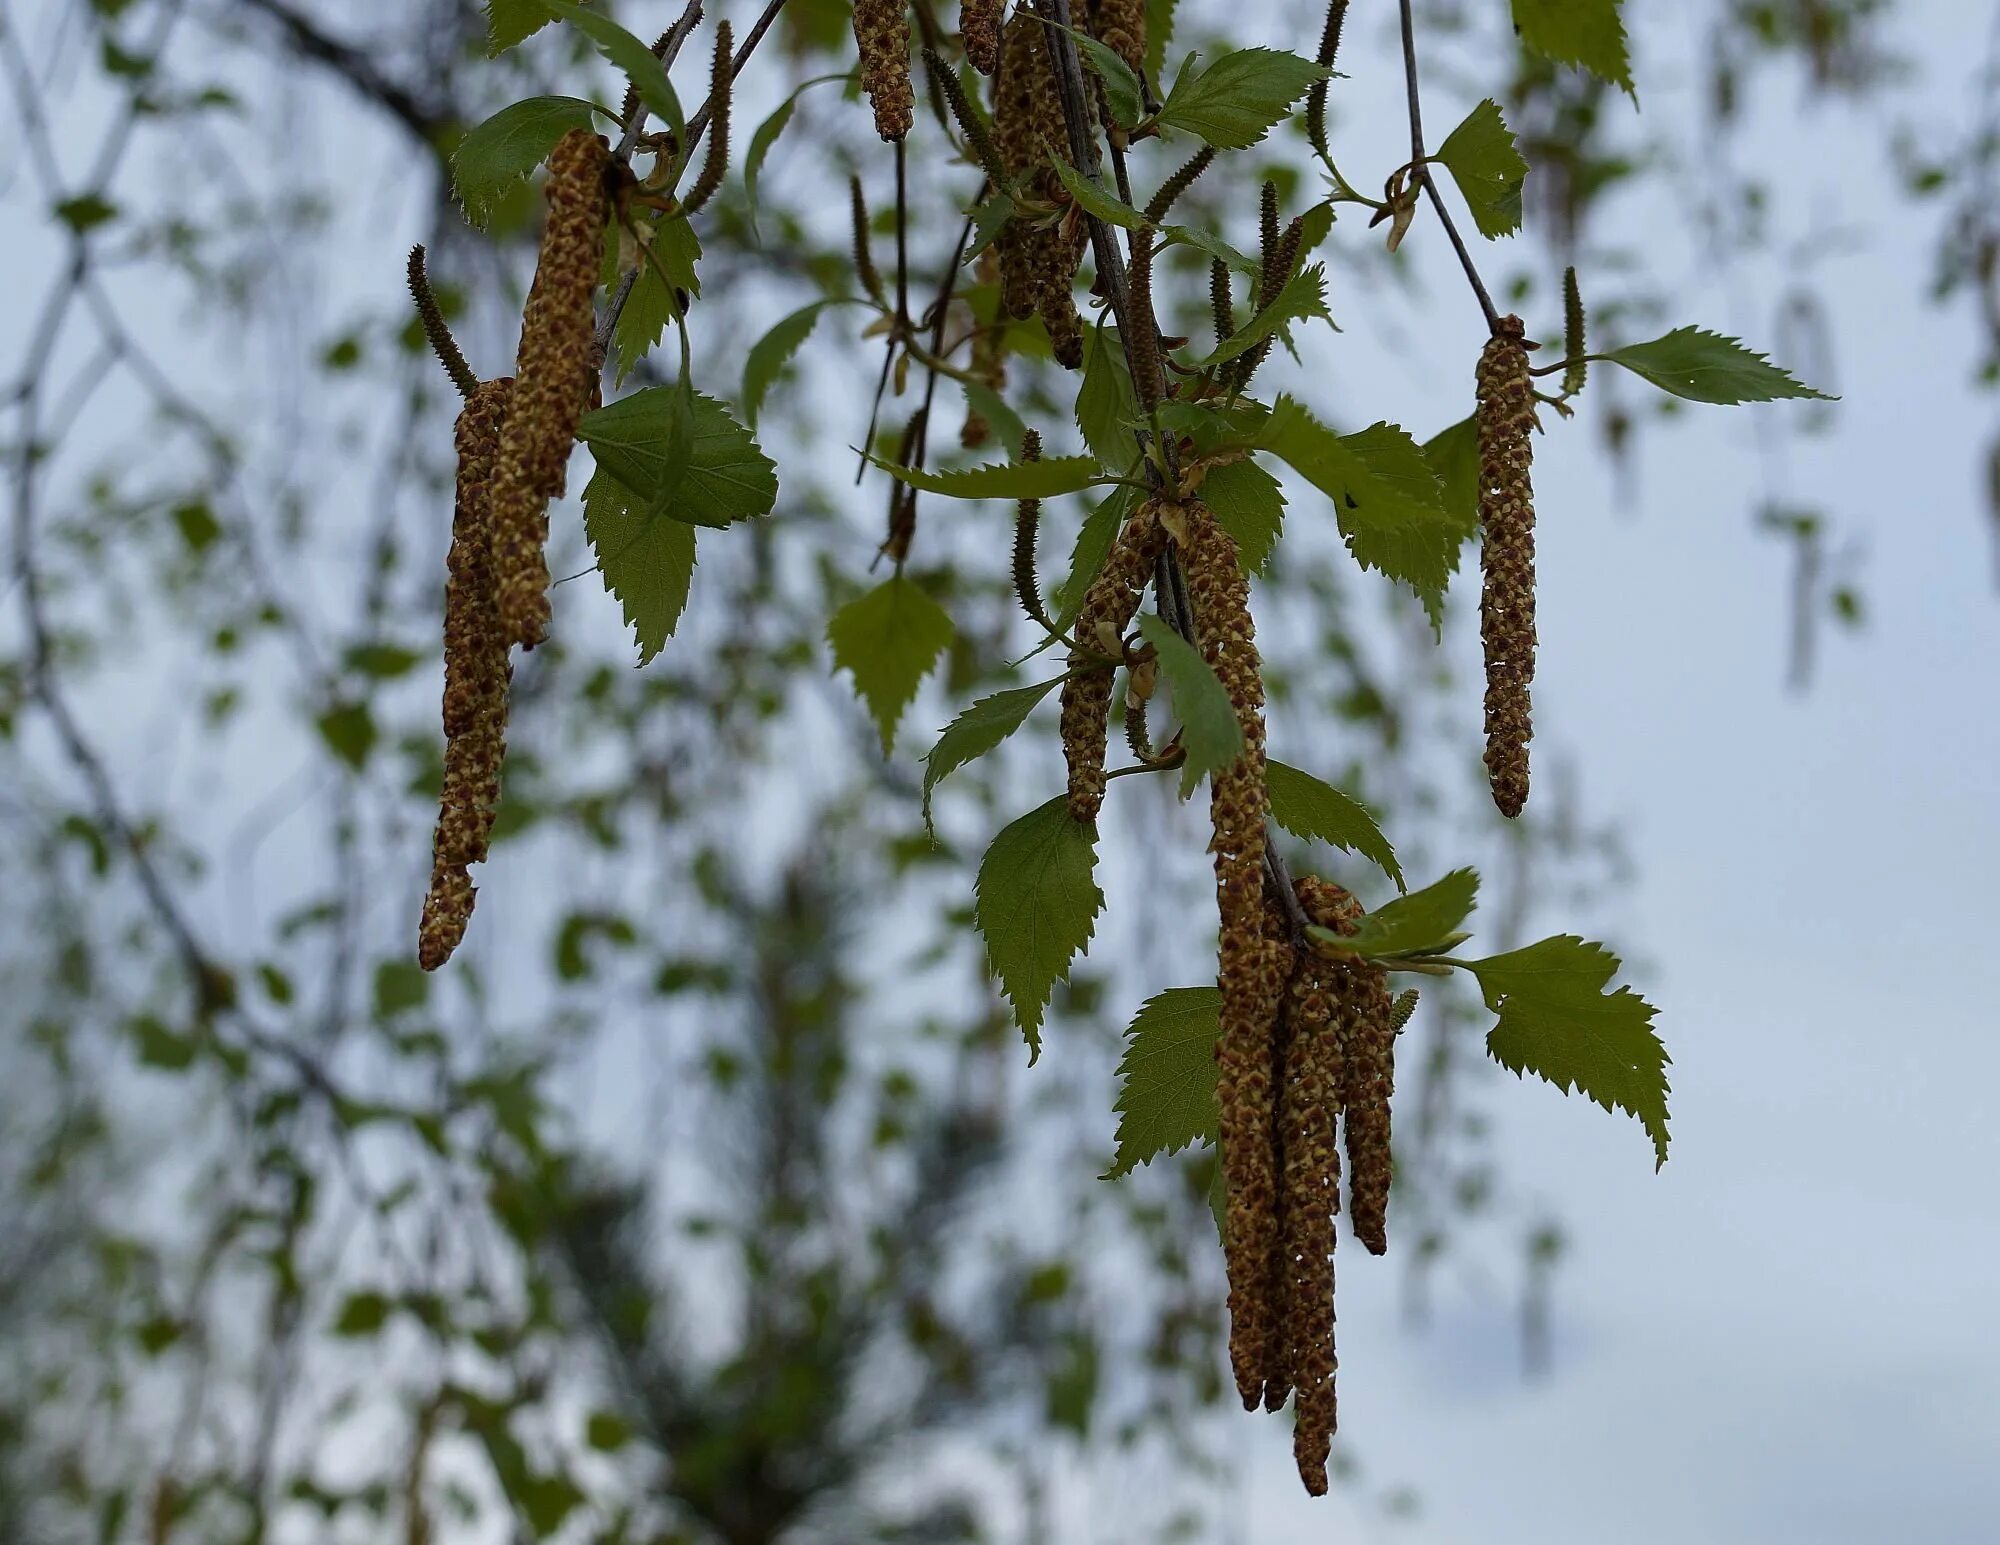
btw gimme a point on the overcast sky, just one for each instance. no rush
(1787, 1333)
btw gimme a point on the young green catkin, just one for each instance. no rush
(555, 372)
(1183, 178)
(977, 135)
(476, 676)
(979, 21)
(1099, 629)
(1505, 420)
(1027, 519)
(864, 257)
(1576, 356)
(436, 329)
(882, 36)
(1329, 48)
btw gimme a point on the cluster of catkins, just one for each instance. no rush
(513, 440)
(1039, 255)
(1306, 1044)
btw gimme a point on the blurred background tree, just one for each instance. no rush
(707, 1197)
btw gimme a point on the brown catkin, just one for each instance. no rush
(1038, 261)
(1121, 24)
(1107, 611)
(1251, 968)
(1367, 1025)
(476, 676)
(555, 372)
(1506, 417)
(1312, 1198)
(882, 35)
(979, 21)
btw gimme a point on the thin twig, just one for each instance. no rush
(1420, 163)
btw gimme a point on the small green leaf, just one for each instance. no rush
(647, 561)
(1422, 921)
(888, 640)
(158, 1332)
(1558, 1022)
(766, 137)
(1095, 200)
(1385, 496)
(1000, 418)
(1045, 479)
(197, 524)
(1122, 91)
(86, 212)
(1483, 161)
(1166, 1079)
(1210, 734)
(1094, 540)
(383, 662)
(652, 303)
(362, 1314)
(978, 730)
(1233, 103)
(349, 731)
(507, 147)
(1453, 455)
(1247, 502)
(512, 21)
(607, 1431)
(639, 63)
(726, 477)
(1581, 32)
(159, 1047)
(1036, 905)
(1159, 32)
(1214, 246)
(988, 217)
(1106, 405)
(400, 985)
(1304, 295)
(1308, 808)
(771, 353)
(1702, 366)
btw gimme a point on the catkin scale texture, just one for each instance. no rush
(1121, 25)
(555, 370)
(1108, 607)
(1312, 1198)
(1038, 259)
(476, 681)
(882, 36)
(1505, 421)
(979, 21)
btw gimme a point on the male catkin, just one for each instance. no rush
(1121, 25)
(1107, 610)
(1506, 418)
(882, 35)
(1312, 1198)
(979, 21)
(1366, 1025)
(555, 370)
(476, 676)
(1038, 259)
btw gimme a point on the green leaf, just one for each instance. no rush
(1044, 479)
(1209, 732)
(726, 477)
(1581, 32)
(652, 304)
(1159, 32)
(1214, 246)
(362, 1314)
(771, 353)
(512, 21)
(1106, 405)
(1421, 922)
(1088, 192)
(197, 524)
(86, 212)
(1036, 904)
(400, 985)
(1233, 103)
(159, 1047)
(1308, 808)
(1094, 540)
(1122, 92)
(987, 219)
(888, 640)
(647, 560)
(1386, 497)
(630, 55)
(349, 731)
(1453, 455)
(762, 141)
(1488, 169)
(607, 1431)
(507, 147)
(1558, 1022)
(1166, 1079)
(978, 730)
(1000, 418)
(1304, 295)
(1702, 366)
(1247, 502)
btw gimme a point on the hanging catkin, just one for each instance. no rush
(979, 21)
(882, 35)
(1312, 1198)
(555, 371)
(1251, 968)
(1121, 25)
(1506, 416)
(476, 675)
(1038, 261)
(1099, 629)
